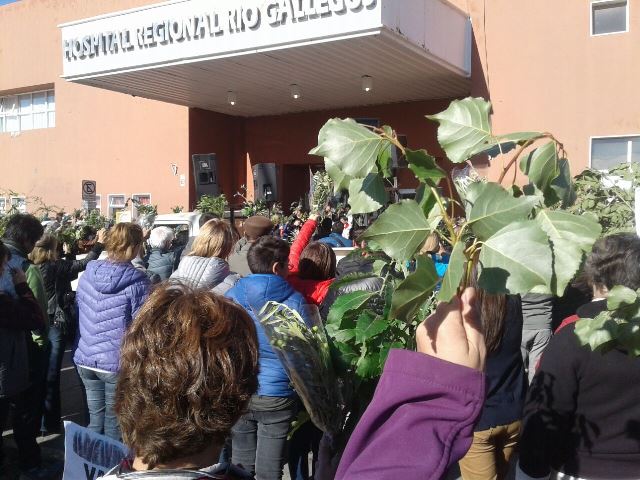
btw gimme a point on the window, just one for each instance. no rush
(27, 111)
(609, 152)
(99, 202)
(609, 16)
(116, 204)
(3, 205)
(19, 203)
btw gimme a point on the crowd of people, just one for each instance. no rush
(174, 360)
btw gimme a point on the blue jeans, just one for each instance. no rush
(259, 441)
(51, 422)
(100, 390)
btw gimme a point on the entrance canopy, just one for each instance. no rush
(257, 54)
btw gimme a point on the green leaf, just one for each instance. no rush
(571, 237)
(429, 204)
(347, 303)
(516, 260)
(455, 273)
(464, 126)
(598, 333)
(368, 326)
(367, 194)
(400, 230)
(465, 131)
(413, 291)
(562, 186)
(369, 365)
(347, 355)
(385, 161)
(340, 335)
(340, 179)
(541, 166)
(495, 208)
(424, 166)
(505, 143)
(621, 296)
(350, 146)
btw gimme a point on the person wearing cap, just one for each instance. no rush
(254, 228)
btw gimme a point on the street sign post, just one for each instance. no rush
(89, 194)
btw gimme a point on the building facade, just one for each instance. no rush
(124, 92)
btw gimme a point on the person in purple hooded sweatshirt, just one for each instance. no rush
(109, 295)
(422, 415)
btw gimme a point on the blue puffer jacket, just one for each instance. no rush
(109, 296)
(252, 293)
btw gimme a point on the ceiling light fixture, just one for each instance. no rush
(232, 98)
(367, 83)
(296, 93)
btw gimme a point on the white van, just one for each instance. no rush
(189, 221)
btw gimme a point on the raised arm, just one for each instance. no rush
(71, 268)
(301, 241)
(422, 415)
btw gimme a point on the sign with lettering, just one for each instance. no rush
(200, 29)
(89, 455)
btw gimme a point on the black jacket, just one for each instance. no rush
(58, 275)
(582, 415)
(352, 264)
(506, 380)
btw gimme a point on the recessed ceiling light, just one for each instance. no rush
(296, 93)
(232, 98)
(367, 83)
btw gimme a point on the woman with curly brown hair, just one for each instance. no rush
(189, 365)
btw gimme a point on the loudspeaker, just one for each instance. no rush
(265, 182)
(205, 174)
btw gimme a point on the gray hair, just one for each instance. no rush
(161, 237)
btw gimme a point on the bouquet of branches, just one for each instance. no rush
(322, 190)
(305, 355)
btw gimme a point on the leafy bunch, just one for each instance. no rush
(515, 239)
(212, 204)
(322, 190)
(617, 326)
(519, 244)
(609, 196)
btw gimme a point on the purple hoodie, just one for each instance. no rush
(109, 296)
(419, 423)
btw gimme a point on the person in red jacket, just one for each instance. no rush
(312, 266)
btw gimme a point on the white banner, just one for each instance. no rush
(89, 455)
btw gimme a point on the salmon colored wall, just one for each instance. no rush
(546, 73)
(126, 144)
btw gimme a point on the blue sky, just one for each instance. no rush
(4, 2)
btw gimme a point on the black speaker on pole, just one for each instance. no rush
(205, 174)
(265, 182)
